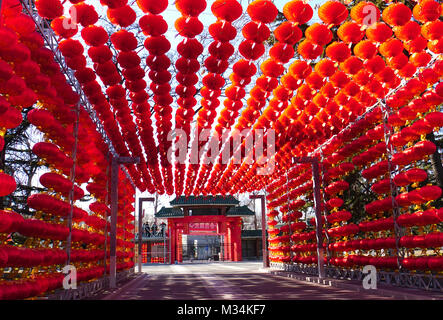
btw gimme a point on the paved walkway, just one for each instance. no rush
(228, 281)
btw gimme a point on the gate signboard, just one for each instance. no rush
(202, 228)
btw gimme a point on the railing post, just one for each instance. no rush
(263, 228)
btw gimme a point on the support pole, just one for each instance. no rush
(263, 229)
(114, 207)
(318, 212)
(318, 218)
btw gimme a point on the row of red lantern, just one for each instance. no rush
(41, 225)
(128, 59)
(96, 37)
(157, 45)
(125, 42)
(51, 205)
(38, 228)
(72, 49)
(26, 257)
(188, 26)
(252, 48)
(220, 51)
(25, 288)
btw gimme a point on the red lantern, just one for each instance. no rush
(153, 25)
(7, 184)
(152, 6)
(86, 14)
(262, 11)
(397, 14)
(432, 30)
(228, 10)
(190, 8)
(365, 49)
(288, 33)
(319, 34)
(309, 50)
(94, 35)
(123, 16)
(380, 32)
(49, 9)
(350, 32)
(333, 13)
(298, 12)
(427, 10)
(360, 11)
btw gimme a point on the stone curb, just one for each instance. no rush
(340, 284)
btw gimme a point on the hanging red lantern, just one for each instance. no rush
(360, 12)
(49, 9)
(430, 193)
(123, 16)
(365, 49)
(298, 12)
(190, 8)
(333, 13)
(432, 30)
(391, 48)
(351, 65)
(152, 6)
(94, 35)
(288, 33)
(380, 32)
(350, 32)
(228, 10)
(416, 45)
(427, 10)
(263, 11)
(397, 14)
(7, 185)
(407, 32)
(58, 26)
(85, 14)
(70, 48)
(319, 34)
(309, 50)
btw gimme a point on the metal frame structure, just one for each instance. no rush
(140, 231)
(51, 41)
(318, 211)
(116, 162)
(262, 197)
(402, 278)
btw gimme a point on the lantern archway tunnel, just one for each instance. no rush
(226, 97)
